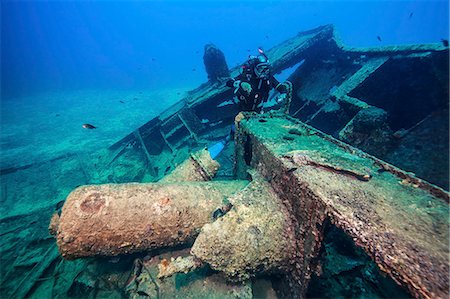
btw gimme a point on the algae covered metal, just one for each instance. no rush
(398, 219)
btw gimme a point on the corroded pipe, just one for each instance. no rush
(114, 219)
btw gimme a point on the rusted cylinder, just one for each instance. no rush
(197, 168)
(114, 219)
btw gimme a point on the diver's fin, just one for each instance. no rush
(216, 149)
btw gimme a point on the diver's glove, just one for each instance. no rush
(245, 87)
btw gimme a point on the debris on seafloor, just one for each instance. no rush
(178, 265)
(202, 282)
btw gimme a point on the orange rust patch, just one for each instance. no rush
(92, 203)
(163, 265)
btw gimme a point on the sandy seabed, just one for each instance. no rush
(45, 126)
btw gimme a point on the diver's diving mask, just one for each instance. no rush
(262, 70)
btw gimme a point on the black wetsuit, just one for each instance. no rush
(260, 89)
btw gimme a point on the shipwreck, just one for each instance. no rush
(343, 194)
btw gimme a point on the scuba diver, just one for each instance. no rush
(251, 88)
(253, 84)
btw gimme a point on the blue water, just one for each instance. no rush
(118, 64)
(70, 45)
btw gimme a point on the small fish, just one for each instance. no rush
(59, 205)
(378, 38)
(410, 15)
(444, 42)
(193, 69)
(122, 102)
(89, 126)
(167, 170)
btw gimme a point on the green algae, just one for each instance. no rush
(400, 221)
